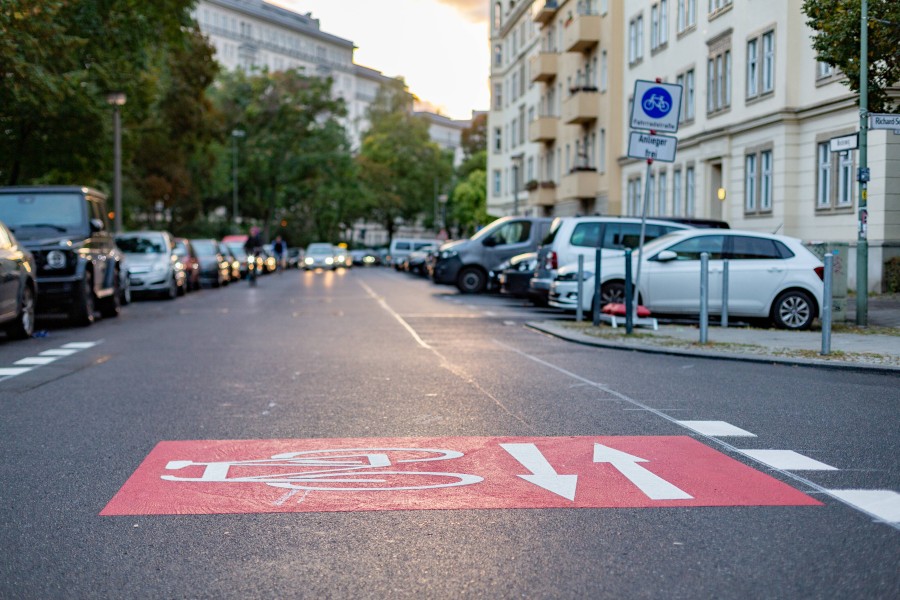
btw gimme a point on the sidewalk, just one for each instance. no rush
(876, 347)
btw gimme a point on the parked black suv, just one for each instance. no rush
(79, 268)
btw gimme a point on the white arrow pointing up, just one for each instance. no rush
(656, 488)
(543, 474)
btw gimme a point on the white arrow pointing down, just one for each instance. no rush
(653, 486)
(543, 474)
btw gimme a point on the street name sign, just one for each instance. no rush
(844, 143)
(656, 106)
(446, 473)
(884, 121)
(657, 147)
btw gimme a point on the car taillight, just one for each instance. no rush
(820, 271)
(552, 261)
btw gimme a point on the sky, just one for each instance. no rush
(440, 47)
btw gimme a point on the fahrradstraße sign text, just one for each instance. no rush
(656, 106)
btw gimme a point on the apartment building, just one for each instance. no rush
(512, 157)
(757, 114)
(253, 34)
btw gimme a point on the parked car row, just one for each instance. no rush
(58, 256)
(770, 277)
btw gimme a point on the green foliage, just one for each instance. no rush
(469, 206)
(474, 137)
(837, 41)
(294, 160)
(400, 168)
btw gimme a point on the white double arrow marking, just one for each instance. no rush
(655, 487)
(543, 474)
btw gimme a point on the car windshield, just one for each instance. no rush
(237, 248)
(204, 247)
(181, 249)
(320, 249)
(140, 244)
(38, 210)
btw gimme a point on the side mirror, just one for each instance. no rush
(96, 225)
(666, 256)
(489, 242)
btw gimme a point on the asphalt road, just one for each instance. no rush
(377, 360)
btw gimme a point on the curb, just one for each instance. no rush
(561, 333)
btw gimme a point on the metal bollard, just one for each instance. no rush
(629, 296)
(704, 297)
(579, 311)
(826, 304)
(725, 294)
(596, 304)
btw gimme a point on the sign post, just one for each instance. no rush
(656, 107)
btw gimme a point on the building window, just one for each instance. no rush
(498, 55)
(634, 196)
(718, 93)
(750, 183)
(758, 188)
(676, 192)
(498, 140)
(823, 70)
(752, 68)
(716, 6)
(834, 178)
(604, 72)
(651, 195)
(823, 178)
(498, 180)
(659, 19)
(689, 192)
(636, 39)
(687, 14)
(498, 96)
(601, 152)
(768, 62)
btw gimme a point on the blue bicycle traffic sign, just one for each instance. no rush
(656, 106)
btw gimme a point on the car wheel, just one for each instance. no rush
(125, 293)
(111, 305)
(182, 289)
(793, 309)
(83, 312)
(612, 292)
(471, 280)
(172, 290)
(23, 326)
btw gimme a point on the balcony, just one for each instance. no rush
(582, 107)
(544, 66)
(543, 129)
(543, 194)
(582, 32)
(579, 184)
(544, 14)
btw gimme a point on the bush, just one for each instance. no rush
(891, 278)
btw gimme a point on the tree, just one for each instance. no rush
(400, 167)
(474, 137)
(469, 203)
(837, 41)
(295, 162)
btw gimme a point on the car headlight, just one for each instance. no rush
(573, 276)
(329, 260)
(445, 254)
(56, 259)
(308, 260)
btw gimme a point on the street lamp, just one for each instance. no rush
(117, 99)
(235, 134)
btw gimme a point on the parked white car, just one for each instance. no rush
(770, 276)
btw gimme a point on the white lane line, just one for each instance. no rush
(58, 352)
(884, 505)
(788, 460)
(713, 440)
(12, 371)
(79, 345)
(394, 314)
(716, 428)
(36, 360)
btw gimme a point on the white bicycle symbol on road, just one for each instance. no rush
(340, 470)
(657, 102)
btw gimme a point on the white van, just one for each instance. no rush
(401, 247)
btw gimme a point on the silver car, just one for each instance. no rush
(319, 256)
(152, 265)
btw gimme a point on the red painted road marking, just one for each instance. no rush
(317, 475)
